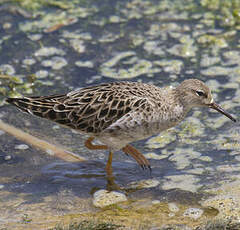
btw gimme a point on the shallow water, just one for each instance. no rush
(161, 42)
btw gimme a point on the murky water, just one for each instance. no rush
(160, 42)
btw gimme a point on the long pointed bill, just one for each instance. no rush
(220, 110)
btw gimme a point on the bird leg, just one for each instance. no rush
(89, 145)
(141, 160)
(108, 167)
(111, 185)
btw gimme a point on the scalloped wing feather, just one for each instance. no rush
(91, 109)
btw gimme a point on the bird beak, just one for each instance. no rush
(220, 110)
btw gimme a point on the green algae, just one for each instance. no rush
(34, 5)
(139, 68)
(54, 20)
(226, 11)
(15, 86)
(154, 39)
(112, 62)
(189, 130)
(162, 140)
(89, 225)
(26, 219)
(211, 40)
(171, 66)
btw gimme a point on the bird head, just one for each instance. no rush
(194, 93)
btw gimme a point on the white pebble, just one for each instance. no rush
(21, 147)
(173, 207)
(7, 158)
(103, 198)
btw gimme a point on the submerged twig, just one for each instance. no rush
(60, 25)
(36, 142)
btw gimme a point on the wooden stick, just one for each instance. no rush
(41, 144)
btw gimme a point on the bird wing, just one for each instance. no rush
(89, 110)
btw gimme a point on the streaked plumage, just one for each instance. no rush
(121, 112)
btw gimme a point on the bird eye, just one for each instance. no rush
(201, 94)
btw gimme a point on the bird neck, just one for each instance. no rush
(180, 99)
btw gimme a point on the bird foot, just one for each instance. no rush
(140, 159)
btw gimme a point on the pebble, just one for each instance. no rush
(103, 198)
(7, 157)
(21, 147)
(173, 207)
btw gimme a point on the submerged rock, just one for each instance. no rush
(103, 198)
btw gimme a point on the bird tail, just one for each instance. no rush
(39, 106)
(50, 107)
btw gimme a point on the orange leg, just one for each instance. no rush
(141, 160)
(108, 167)
(89, 145)
(111, 185)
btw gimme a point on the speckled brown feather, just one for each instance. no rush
(91, 109)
